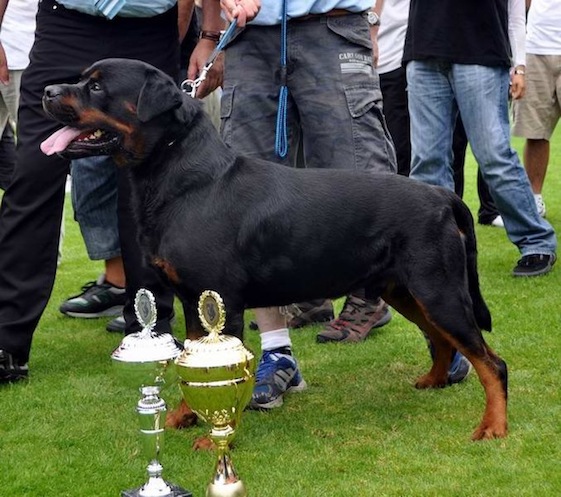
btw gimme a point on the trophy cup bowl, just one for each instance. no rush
(216, 377)
(145, 360)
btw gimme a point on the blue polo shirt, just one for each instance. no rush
(130, 8)
(271, 10)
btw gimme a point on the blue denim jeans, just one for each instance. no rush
(94, 198)
(437, 92)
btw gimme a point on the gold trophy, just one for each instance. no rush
(216, 376)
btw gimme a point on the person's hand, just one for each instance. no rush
(241, 10)
(375, 50)
(198, 59)
(517, 86)
(4, 74)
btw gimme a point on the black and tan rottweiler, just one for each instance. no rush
(262, 234)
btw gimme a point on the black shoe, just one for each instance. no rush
(534, 265)
(118, 324)
(11, 369)
(97, 299)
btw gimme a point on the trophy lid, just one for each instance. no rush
(146, 345)
(214, 350)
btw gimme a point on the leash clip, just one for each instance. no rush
(190, 86)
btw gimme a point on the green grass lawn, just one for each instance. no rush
(360, 429)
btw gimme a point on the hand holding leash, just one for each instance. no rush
(190, 86)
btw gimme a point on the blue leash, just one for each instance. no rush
(281, 137)
(190, 86)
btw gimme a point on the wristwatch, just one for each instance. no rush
(373, 18)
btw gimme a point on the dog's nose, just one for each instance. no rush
(51, 92)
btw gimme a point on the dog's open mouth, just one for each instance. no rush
(74, 143)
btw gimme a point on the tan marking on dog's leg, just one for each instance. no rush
(167, 268)
(487, 366)
(494, 423)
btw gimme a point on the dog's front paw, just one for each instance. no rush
(203, 443)
(488, 431)
(181, 417)
(430, 381)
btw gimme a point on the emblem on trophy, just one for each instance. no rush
(217, 375)
(145, 359)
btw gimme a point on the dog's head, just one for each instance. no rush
(120, 107)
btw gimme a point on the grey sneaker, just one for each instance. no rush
(308, 313)
(357, 319)
(97, 299)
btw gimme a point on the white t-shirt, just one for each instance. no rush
(544, 28)
(18, 32)
(391, 34)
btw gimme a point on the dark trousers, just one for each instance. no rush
(66, 43)
(394, 91)
(7, 156)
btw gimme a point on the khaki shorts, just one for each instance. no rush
(536, 115)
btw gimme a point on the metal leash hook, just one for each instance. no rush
(190, 86)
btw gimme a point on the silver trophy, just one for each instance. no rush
(145, 359)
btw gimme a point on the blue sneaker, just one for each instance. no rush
(459, 367)
(276, 375)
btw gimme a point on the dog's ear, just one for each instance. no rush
(158, 95)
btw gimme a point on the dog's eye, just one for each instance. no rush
(95, 86)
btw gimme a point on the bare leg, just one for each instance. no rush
(115, 272)
(536, 159)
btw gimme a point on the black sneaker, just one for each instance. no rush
(118, 325)
(11, 369)
(534, 265)
(97, 299)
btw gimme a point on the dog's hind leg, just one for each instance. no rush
(404, 303)
(448, 318)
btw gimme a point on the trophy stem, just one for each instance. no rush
(225, 482)
(152, 412)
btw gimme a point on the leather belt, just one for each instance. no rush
(331, 13)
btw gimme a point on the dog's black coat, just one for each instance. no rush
(262, 234)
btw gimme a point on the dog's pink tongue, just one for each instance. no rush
(59, 140)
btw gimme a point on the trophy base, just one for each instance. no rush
(175, 492)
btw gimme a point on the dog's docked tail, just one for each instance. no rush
(464, 219)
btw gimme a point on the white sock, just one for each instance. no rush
(275, 339)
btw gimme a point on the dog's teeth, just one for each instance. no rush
(98, 133)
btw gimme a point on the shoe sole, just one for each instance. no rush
(540, 272)
(112, 311)
(12, 378)
(279, 400)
